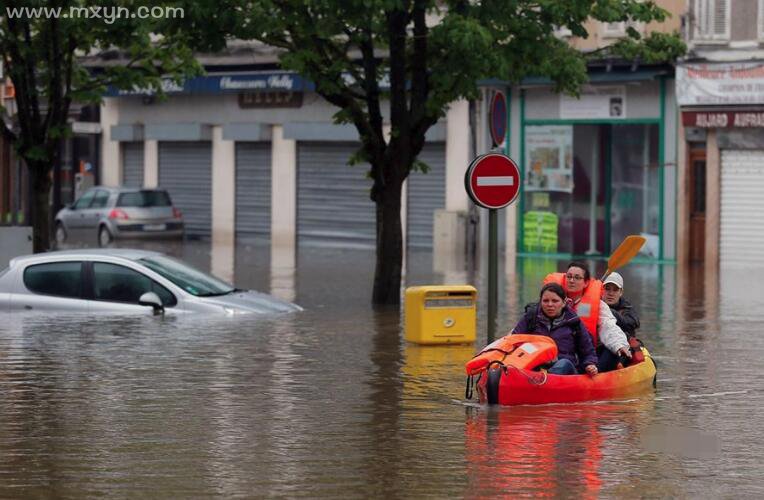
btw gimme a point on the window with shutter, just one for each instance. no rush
(712, 20)
(614, 29)
(564, 32)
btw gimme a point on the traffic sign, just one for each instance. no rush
(492, 181)
(498, 118)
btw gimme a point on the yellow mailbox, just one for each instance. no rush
(441, 314)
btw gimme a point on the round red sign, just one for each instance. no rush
(492, 181)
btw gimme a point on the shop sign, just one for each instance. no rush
(594, 102)
(727, 83)
(723, 119)
(549, 158)
(257, 82)
(270, 99)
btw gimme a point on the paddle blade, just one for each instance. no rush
(625, 252)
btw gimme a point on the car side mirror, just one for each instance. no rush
(153, 300)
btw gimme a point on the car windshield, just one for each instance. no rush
(189, 279)
(144, 199)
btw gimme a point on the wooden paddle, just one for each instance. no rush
(624, 253)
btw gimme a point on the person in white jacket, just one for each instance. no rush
(613, 342)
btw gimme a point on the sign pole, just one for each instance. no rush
(492, 181)
(493, 272)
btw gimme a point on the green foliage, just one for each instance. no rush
(347, 47)
(654, 48)
(49, 49)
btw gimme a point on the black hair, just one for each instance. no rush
(581, 265)
(555, 288)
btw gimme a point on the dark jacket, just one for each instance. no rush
(626, 317)
(574, 342)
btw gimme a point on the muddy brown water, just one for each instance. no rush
(332, 402)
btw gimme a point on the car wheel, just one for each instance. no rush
(60, 233)
(104, 236)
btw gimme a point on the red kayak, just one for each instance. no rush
(508, 374)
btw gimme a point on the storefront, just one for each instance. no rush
(599, 167)
(250, 155)
(721, 211)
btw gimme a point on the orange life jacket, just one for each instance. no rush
(588, 308)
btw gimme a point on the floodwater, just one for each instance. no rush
(332, 402)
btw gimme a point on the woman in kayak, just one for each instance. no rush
(553, 318)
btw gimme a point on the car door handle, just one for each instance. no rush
(28, 308)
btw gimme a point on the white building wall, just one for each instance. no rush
(150, 164)
(111, 154)
(283, 196)
(223, 188)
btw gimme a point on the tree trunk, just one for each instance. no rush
(387, 274)
(40, 207)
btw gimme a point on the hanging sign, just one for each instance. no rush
(594, 101)
(720, 84)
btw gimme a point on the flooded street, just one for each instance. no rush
(332, 402)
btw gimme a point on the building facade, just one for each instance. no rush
(602, 166)
(255, 154)
(251, 153)
(720, 90)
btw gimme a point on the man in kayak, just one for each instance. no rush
(585, 297)
(625, 314)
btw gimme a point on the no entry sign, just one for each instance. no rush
(492, 181)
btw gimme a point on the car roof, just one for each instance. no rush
(85, 253)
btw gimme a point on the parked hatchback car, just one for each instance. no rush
(123, 281)
(111, 213)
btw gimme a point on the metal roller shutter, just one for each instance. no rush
(185, 170)
(742, 207)
(426, 193)
(253, 189)
(333, 207)
(132, 164)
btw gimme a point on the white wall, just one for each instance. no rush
(111, 154)
(223, 188)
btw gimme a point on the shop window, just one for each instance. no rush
(711, 20)
(587, 187)
(635, 185)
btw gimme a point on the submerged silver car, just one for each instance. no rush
(111, 213)
(123, 281)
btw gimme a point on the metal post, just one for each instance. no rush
(493, 272)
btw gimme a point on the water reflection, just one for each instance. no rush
(550, 451)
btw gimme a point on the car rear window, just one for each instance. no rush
(144, 199)
(62, 279)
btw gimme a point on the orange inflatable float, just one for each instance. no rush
(507, 372)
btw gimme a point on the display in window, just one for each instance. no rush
(550, 158)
